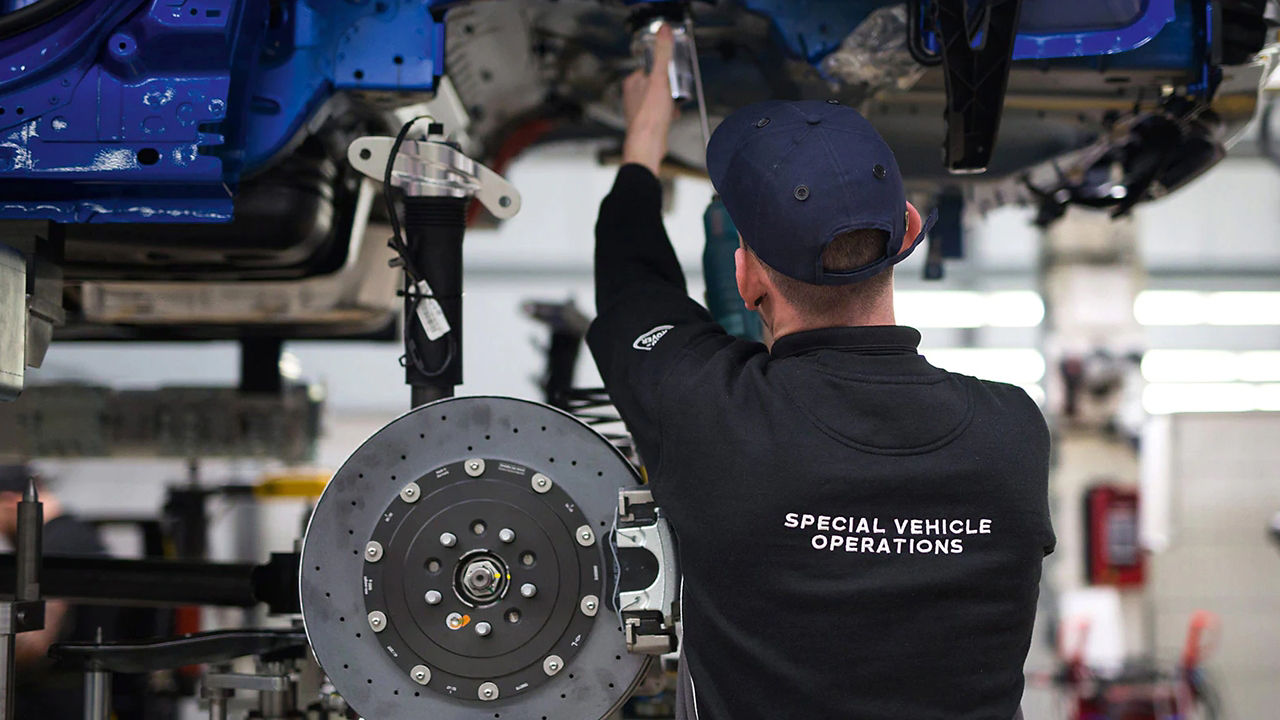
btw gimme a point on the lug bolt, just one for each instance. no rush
(483, 629)
(507, 535)
(434, 597)
(528, 590)
(448, 539)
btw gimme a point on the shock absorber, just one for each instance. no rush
(437, 181)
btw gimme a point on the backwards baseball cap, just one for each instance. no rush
(795, 174)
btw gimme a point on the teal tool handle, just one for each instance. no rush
(718, 269)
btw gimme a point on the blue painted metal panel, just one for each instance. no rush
(152, 110)
(1038, 46)
(1135, 32)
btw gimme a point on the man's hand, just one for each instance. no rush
(647, 103)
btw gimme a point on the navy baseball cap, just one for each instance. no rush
(794, 174)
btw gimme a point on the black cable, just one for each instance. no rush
(413, 274)
(397, 241)
(38, 13)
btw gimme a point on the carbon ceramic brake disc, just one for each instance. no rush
(455, 567)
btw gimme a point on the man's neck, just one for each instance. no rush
(787, 322)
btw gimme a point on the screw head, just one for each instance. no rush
(488, 691)
(433, 597)
(410, 493)
(377, 621)
(448, 539)
(507, 535)
(474, 467)
(552, 664)
(528, 590)
(483, 629)
(373, 551)
(420, 674)
(584, 536)
(541, 483)
(590, 605)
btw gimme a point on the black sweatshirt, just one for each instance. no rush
(860, 532)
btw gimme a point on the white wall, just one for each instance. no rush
(1223, 487)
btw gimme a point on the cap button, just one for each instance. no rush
(812, 119)
(762, 122)
(879, 172)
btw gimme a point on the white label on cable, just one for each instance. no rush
(430, 314)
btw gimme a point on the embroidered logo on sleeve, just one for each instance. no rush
(649, 339)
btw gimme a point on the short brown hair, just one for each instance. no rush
(848, 251)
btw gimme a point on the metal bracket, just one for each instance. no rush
(246, 681)
(649, 614)
(977, 54)
(429, 168)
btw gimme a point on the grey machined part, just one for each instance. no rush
(432, 168)
(13, 322)
(429, 437)
(662, 595)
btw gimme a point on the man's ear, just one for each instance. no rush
(914, 225)
(747, 272)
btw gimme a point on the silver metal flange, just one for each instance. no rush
(337, 569)
(434, 168)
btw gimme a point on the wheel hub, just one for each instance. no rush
(482, 579)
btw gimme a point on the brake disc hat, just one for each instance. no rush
(795, 174)
(455, 567)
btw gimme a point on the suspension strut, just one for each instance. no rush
(436, 181)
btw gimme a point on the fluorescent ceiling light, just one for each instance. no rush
(1210, 366)
(1184, 307)
(1019, 366)
(968, 309)
(1165, 398)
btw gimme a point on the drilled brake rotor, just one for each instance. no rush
(455, 567)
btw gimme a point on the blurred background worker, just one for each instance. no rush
(44, 690)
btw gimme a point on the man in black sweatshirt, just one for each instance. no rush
(860, 533)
